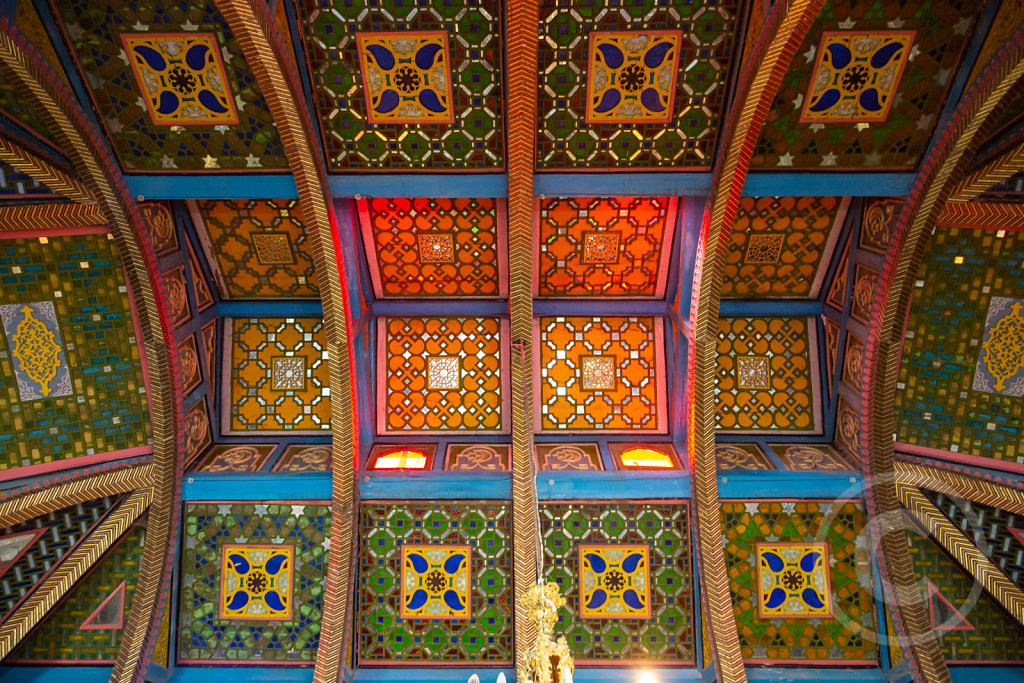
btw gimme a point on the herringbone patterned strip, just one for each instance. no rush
(42, 501)
(276, 74)
(522, 28)
(23, 66)
(986, 215)
(43, 171)
(963, 549)
(989, 175)
(74, 565)
(780, 37)
(1008, 496)
(25, 216)
(945, 163)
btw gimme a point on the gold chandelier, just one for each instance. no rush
(548, 660)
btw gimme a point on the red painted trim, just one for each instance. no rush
(118, 594)
(83, 461)
(962, 458)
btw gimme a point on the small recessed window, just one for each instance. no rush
(648, 457)
(401, 459)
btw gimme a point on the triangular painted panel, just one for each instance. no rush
(13, 546)
(944, 616)
(110, 613)
(1016, 533)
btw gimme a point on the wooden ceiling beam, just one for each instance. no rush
(988, 176)
(963, 549)
(39, 169)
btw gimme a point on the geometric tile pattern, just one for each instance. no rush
(856, 76)
(419, 389)
(827, 78)
(615, 582)
(436, 582)
(657, 532)
(103, 407)
(64, 634)
(434, 247)
(937, 405)
(632, 76)
(214, 531)
(259, 247)
(181, 78)
(741, 456)
(778, 244)
(406, 76)
(212, 86)
(995, 637)
(578, 388)
(351, 102)
(604, 247)
(665, 129)
(750, 396)
(266, 387)
(63, 529)
(480, 533)
(793, 580)
(837, 527)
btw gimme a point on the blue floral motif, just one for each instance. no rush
(435, 582)
(406, 77)
(614, 582)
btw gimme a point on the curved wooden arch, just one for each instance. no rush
(769, 60)
(22, 65)
(278, 80)
(944, 165)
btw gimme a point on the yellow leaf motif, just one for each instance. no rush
(1004, 348)
(36, 348)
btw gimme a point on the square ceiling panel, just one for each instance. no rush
(276, 377)
(599, 374)
(613, 247)
(402, 86)
(172, 86)
(257, 248)
(435, 247)
(638, 85)
(867, 86)
(767, 376)
(441, 374)
(780, 246)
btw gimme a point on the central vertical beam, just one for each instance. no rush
(278, 79)
(521, 29)
(769, 61)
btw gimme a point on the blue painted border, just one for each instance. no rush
(768, 484)
(250, 486)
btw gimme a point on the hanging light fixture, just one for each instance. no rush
(548, 660)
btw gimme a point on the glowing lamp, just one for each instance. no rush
(646, 457)
(401, 459)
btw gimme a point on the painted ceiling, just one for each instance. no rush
(358, 215)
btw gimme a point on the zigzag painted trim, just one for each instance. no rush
(952, 480)
(983, 215)
(45, 172)
(72, 568)
(989, 175)
(963, 549)
(24, 216)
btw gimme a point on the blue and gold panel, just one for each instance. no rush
(1000, 368)
(181, 78)
(436, 582)
(856, 76)
(615, 582)
(793, 580)
(257, 582)
(632, 76)
(33, 336)
(406, 77)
